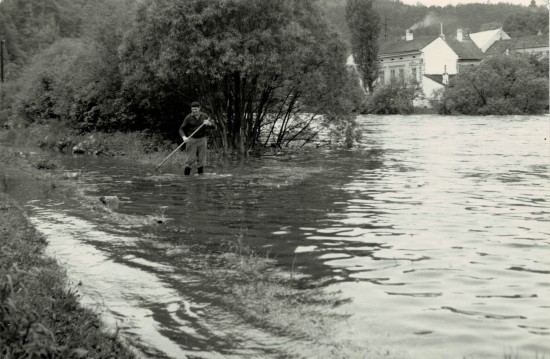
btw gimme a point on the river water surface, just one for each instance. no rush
(437, 228)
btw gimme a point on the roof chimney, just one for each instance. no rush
(442, 34)
(459, 35)
(409, 35)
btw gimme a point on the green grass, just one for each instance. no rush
(40, 316)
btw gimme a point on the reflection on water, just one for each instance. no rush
(437, 227)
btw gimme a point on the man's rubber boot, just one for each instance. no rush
(187, 171)
(200, 170)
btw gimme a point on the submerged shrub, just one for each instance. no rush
(45, 164)
(393, 98)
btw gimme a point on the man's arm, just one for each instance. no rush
(182, 127)
(207, 121)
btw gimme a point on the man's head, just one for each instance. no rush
(195, 107)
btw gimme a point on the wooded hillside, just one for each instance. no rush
(397, 17)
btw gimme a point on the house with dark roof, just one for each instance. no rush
(467, 51)
(536, 45)
(429, 61)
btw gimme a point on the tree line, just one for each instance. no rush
(265, 71)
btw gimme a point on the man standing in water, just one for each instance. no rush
(195, 148)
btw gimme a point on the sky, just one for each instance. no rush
(456, 2)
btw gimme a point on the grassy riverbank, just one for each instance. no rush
(143, 147)
(40, 315)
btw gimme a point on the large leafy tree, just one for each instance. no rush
(499, 86)
(364, 25)
(253, 64)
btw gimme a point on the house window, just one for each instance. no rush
(392, 75)
(414, 73)
(382, 77)
(401, 75)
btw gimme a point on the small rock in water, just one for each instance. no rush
(71, 175)
(78, 150)
(110, 201)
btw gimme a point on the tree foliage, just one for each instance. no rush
(498, 86)
(393, 98)
(30, 26)
(77, 80)
(364, 25)
(251, 63)
(525, 23)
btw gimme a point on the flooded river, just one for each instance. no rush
(437, 228)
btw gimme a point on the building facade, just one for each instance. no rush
(426, 61)
(429, 62)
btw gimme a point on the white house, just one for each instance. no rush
(429, 61)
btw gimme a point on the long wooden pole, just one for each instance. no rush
(2, 42)
(183, 143)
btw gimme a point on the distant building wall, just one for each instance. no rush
(401, 68)
(539, 51)
(429, 87)
(438, 57)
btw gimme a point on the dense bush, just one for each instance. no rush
(504, 85)
(77, 80)
(55, 79)
(393, 98)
